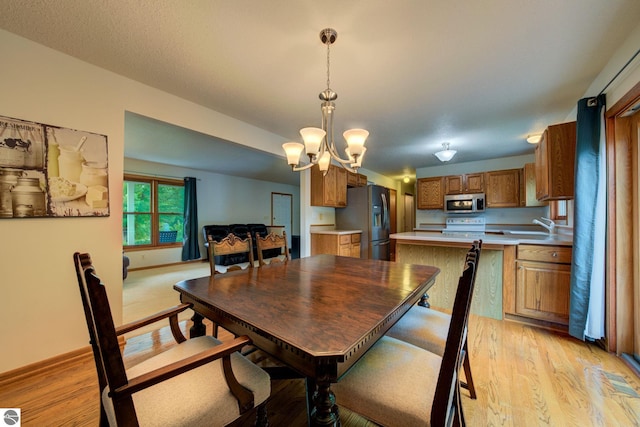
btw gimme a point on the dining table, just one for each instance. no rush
(315, 315)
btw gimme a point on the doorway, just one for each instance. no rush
(282, 213)
(409, 222)
(623, 275)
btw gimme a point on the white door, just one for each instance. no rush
(282, 212)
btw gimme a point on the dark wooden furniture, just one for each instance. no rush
(393, 385)
(167, 389)
(317, 315)
(428, 329)
(230, 245)
(272, 241)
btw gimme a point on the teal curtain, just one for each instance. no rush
(586, 313)
(190, 245)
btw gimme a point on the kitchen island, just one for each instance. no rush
(506, 287)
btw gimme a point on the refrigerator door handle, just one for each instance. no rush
(385, 212)
(383, 244)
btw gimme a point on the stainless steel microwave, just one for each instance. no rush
(464, 203)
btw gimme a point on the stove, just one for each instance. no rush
(465, 226)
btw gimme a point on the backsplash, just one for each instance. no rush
(510, 216)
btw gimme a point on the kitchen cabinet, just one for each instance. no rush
(330, 189)
(555, 160)
(344, 244)
(430, 193)
(543, 279)
(528, 187)
(502, 188)
(461, 184)
(356, 179)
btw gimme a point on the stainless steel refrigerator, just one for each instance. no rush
(367, 210)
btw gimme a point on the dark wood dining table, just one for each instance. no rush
(316, 315)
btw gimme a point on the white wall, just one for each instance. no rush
(222, 199)
(40, 309)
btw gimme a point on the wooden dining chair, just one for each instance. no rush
(268, 243)
(230, 245)
(200, 381)
(398, 384)
(428, 328)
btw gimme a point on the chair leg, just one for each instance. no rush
(467, 373)
(261, 416)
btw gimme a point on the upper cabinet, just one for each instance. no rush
(356, 179)
(331, 189)
(430, 193)
(461, 184)
(555, 160)
(502, 188)
(528, 186)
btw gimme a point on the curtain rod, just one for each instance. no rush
(619, 72)
(158, 176)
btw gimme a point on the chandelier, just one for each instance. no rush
(318, 142)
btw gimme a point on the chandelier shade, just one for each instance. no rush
(319, 145)
(446, 154)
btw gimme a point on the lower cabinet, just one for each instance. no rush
(336, 244)
(543, 276)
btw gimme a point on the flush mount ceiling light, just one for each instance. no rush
(445, 155)
(534, 139)
(406, 179)
(318, 142)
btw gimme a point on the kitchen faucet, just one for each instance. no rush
(550, 226)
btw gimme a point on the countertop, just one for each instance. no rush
(489, 238)
(336, 232)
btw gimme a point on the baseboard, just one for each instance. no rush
(149, 267)
(76, 356)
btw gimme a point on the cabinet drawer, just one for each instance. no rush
(355, 238)
(555, 254)
(344, 239)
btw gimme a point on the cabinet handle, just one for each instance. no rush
(555, 254)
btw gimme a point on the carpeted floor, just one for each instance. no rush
(146, 292)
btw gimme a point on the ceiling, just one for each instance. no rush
(480, 75)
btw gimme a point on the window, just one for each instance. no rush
(153, 212)
(558, 210)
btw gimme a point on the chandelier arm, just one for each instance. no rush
(302, 168)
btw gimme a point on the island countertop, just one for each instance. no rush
(487, 238)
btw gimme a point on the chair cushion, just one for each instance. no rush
(393, 384)
(423, 327)
(196, 398)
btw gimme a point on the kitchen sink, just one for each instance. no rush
(525, 232)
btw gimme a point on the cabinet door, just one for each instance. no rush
(330, 189)
(555, 160)
(362, 180)
(561, 148)
(528, 196)
(474, 183)
(430, 193)
(341, 186)
(542, 168)
(352, 179)
(503, 188)
(543, 291)
(454, 184)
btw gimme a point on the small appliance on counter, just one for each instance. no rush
(465, 226)
(368, 210)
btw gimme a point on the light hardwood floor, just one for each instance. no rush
(524, 377)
